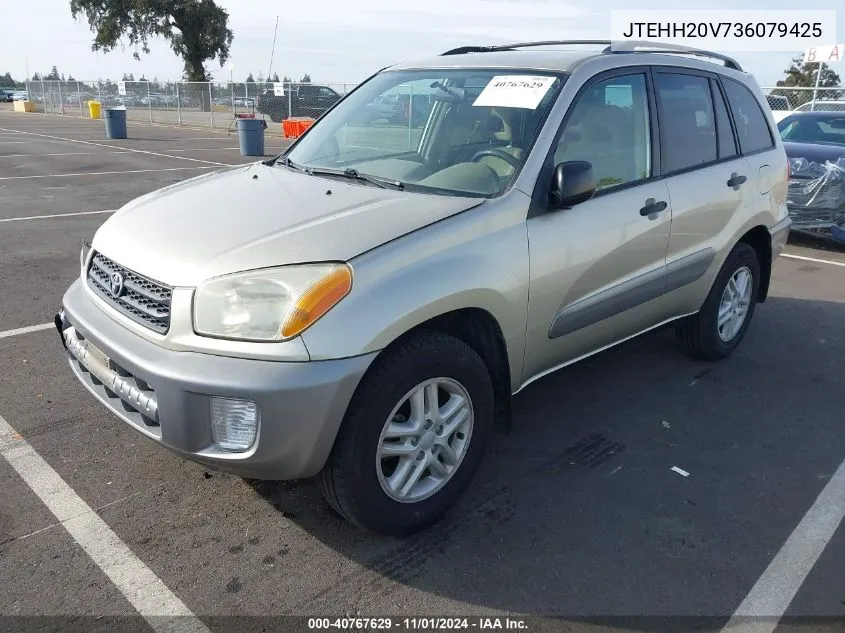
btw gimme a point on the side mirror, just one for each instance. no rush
(573, 182)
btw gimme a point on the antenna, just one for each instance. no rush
(273, 52)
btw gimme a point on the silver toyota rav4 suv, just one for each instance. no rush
(362, 307)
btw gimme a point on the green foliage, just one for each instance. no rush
(250, 79)
(275, 78)
(6, 81)
(801, 75)
(196, 29)
(306, 79)
(54, 75)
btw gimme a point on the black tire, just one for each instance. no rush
(349, 480)
(699, 334)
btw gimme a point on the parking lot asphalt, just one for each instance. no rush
(576, 513)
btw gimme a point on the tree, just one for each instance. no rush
(128, 77)
(6, 80)
(36, 77)
(142, 78)
(249, 78)
(801, 75)
(275, 78)
(306, 79)
(260, 78)
(70, 77)
(196, 29)
(54, 75)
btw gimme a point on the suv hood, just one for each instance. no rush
(256, 216)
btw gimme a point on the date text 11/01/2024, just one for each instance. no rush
(417, 624)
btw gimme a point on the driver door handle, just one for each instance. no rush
(736, 181)
(652, 206)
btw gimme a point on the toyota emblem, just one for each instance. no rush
(116, 285)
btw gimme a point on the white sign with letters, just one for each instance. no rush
(121, 88)
(279, 89)
(514, 91)
(824, 54)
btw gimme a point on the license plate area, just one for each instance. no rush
(96, 355)
(91, 357)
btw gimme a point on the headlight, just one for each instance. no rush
(269, 305)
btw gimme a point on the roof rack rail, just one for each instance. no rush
(619, 46)
(633, 46)
(475, 49)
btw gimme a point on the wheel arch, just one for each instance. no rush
(479, 329)
(760, 240)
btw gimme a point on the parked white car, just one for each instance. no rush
(826, 106)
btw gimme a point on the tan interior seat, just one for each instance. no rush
(509, 119)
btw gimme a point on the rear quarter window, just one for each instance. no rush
(751, 124)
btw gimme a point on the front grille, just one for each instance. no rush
(141, 299)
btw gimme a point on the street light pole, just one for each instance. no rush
(816, 89)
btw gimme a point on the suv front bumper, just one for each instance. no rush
(165, 394)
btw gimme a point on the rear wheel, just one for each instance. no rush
(413, 436)
(716, 331)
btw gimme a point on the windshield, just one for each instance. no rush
(449, 132)
(823, 130)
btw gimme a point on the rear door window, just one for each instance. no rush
(724, 132)
(751, 124)
(687, 123)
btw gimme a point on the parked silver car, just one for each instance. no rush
(362, 307)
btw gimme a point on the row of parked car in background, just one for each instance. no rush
(8, 96)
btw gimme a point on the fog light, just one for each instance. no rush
(234, 423)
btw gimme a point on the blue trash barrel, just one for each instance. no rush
(115, 122)
(251, 136)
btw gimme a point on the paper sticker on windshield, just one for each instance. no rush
(514, 91)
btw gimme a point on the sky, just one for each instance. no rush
(345, 42)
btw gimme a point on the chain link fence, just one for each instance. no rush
(195, 104)
(783, 100)
(216, 104)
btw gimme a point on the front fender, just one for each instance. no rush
(478, 259)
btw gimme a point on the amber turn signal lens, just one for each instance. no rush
(317, 300)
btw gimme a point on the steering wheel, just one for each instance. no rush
(509, 158)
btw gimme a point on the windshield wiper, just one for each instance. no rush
(354, 174)
(287, 162)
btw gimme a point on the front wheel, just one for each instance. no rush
(413, 436)
(717, 329)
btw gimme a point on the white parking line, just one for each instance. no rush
(64, 154)
(138, 151)
(813, 259)
(771, 596)
(26, 330)
(142, 588)
(103, 173)
(204, 149)
(54, 215)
